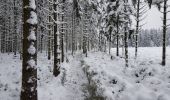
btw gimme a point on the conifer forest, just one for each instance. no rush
(84, 49)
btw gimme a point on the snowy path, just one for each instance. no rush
(75, 79)
(68, 85)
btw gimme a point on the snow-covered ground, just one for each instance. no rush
(144, 79)
(97, 75)
(67, 86)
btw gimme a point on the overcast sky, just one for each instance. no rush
(153, 19)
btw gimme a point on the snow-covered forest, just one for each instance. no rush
(83, 50)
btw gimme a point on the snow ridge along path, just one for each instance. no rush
(144, 79)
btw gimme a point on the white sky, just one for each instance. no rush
(153, 19)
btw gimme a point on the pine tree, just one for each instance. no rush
(126, 27)
(15, 28)
(49, 33)
(140, 7)
(29, 64)
(62, 30)
(117, 35)
(57, 53)
(126, 32)
(164, 33)
(137, 28)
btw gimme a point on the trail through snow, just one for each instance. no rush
(68, 85)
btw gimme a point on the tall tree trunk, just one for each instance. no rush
(110, 37)
(85, 33)
(126, 34)
(126, 48)
(72, 33)
(15, 29)
(105, 45)
(9, 49)
(66, 37)
(117, 36)
(41, 44)
(84, 44)
(29, 63)
(164, 34)
(56, 70)
(99, 41)
(49, 38)
(88, 43)
(137, 29)
(3, 42)
(62, 33)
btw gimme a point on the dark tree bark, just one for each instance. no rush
(137, 29)
(66, 40)
(62, 32)
(41, 43)
(49, 38)
(73, 31)
(164, 34)
(29, 63)
(99, 41)
(15, 43)
(126, 48)
(56, 70)
(110, 39)
(126, 34)
(85, 33)
(117, 36)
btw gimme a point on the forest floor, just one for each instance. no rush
(95, 77)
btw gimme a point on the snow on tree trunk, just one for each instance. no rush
(29, 64)
(85, 32)
(56, 70)
(126, 33)
(62, 32)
